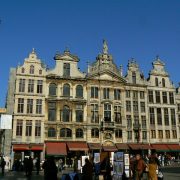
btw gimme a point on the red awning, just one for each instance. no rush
(160, 147)
(110, 148)
(122, 146)
(56, 148)
(20, 147)
(37, 147)
(77, 146)
(28, 147)
(174, 147)
(140, 146)
(94, 146)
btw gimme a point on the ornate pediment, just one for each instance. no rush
(107, 75)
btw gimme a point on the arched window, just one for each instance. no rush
(65, 132)
(163, 82)
(66, 90)
(66, 114)
(133, 77)
(31, 71)
(79, 91)
(51, 132)
(95, 133)
(79, 133)
(156, 81)
(22, 70)
(118, 133)
(52, 89)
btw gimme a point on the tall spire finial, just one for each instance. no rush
(105, 47)
(33, 50)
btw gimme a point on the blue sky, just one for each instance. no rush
(140, 29)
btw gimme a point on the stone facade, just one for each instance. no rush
(101, 106)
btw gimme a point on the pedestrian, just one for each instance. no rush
(3, 163)
(26, 166)
(87, 170)
(50, 169)
(139, 167)
(75, 164)
(37, 164)
(153, 166)
(29, 166)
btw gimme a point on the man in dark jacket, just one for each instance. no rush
(87, 170)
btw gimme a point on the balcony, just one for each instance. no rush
(136, 126)
(107, 125)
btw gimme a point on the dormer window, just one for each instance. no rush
(31, 71)
(66, 70)
(40, 71)
(156, 81)
(22, 70)
(163, 82)
(133, 77)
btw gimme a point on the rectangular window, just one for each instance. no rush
(141, 94)
(38, 106)
(143, 109)
(171, 97)
(129, 135)
(28, 128)
(20, 105)
(129, 121)
(150, 95)
(144, 135)
(31, 86)
(160, 134)
(107, 112)
(164, 96)
(128, 94)
(128, 106)
(117, 94)
(159, 116)
(178, 107)
(174, 134)
(19, 127)
(39, 86)
(166, 117)
(158, 99)
(117, 114)
(135, 106)
(153, 134)
(22, 85)
(136, 121)
(152, 116)
(94, 92)
(135, 94)
(30, 106)
(143, 119)
(179, 118)
(173, 117)
(167, 134)
(51, 111)
(38, 128)
(94, 113)
(106, 93)
(66, 69)
(79, 113)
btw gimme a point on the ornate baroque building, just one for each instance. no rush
(63, 111)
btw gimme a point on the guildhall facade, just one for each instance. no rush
(65, 112)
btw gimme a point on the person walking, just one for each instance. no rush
(153, 166)
(3, 163)
(50, 169)
(37, 164)
(29, 166)
(139, 167)
(87, 170)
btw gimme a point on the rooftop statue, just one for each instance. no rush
(105, 47)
